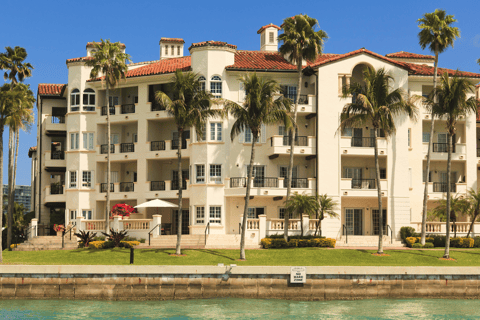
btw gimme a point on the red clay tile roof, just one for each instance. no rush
(260, 60)
(50, 89)
(324, 59)
(424, 70)
(271, 25)
(172, 40)
(409, 55)
(213, 44)
(79, 59)
(159, 67)
(92, 44)
(31, 151)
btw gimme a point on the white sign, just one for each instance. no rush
(298, 274)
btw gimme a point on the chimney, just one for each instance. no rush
(269, 37)
(171, 48)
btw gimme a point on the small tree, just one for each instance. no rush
(327, 207)
(302, 204)
(457, 206)
(474, 199)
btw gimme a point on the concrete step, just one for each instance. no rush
(47, 243)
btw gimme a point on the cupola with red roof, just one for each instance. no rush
(171, 48)
(269, 37)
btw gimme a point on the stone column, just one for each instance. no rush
(80, 226)
(116, 225)
(156, 219)
(306, 224)
(262, 226)
(34, 230)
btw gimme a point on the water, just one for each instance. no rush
(241, 309)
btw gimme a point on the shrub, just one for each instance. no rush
(115, 237)
(476, 243)
(461, 242)
(417, 245)
(410, 241)
(99, 238)
(108, 245)
(269, 243)
(428, 245)
(142, 240)
(280, 236)
(129, 244)
(439, 241)
(85, 238)
(96, 244)
(406, 232)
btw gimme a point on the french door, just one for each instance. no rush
(185, 221)
(354, 221)
(376, 222)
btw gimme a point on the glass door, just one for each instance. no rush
(354, 221)
(185, 222)
(376, 224)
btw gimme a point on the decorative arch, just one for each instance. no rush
(216, 86)
(75, 100)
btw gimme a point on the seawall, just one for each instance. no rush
(260, 282)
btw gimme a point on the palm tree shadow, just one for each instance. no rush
(164, 251)
(413, 252)
(215, 253)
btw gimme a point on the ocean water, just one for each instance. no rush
(241, 309)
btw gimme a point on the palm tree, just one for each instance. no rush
(110, 61)
(474, 199)
(190, 106)
(452, 102)
(20, 117)
(327, 207)
(437, 34)
(457, 205)
(16, 70)
(376, 103)
(302, 204)
(259, 108)
(300, 42)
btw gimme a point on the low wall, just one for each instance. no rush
(265, 282)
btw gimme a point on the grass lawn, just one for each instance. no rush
(270, 257)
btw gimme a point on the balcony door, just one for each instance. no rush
(356, 175)
(376, 221)
(357, 138)
(354, 221)
(185, 221)
(258, 175)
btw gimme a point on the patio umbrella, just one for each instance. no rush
(157, 203)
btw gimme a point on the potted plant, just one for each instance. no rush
(59, 228)
(122, 209)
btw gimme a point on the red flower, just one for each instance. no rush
(122, 209)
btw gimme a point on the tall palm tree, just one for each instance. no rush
(327, 207)
(110, 62)
(437, 34)
(259, 108)
(300, 42)
(452, 102)
(302, 204)
(190, 106)
(16, 70)
(457, 206)
(376, 103)
(474, 199)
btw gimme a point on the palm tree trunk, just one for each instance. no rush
(449, 200)
(317, 224)
(454, 223)
(301, 223)
(473, 221)
(107, 209)
(430, 144)
(1, 188)
(180, 192)
(11, 191)
(247, 199)
(292, 144)
(17, 136)
(379, 190)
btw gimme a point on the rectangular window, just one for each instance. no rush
(248, 135)
(73, 179)
(253, 213)
(383, 173)
(178, 50)
(173, 48)
(347, 132)
(73, 214)
(200, 215)
(113, 101)
(200, 171)
(216, 173)
(87, 214)
(88, 140)
(426, 137)
(74, 141)
(216, 215)
(203, 136)
(281, 214)
(87, 179)
(216, 131)
(409, 137)
(429, 176)
(271, 37)
(166, 50)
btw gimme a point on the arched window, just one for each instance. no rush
(88, 100)
(216, 86)
(202, 81)
(75, 100)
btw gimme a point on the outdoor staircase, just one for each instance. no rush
(367, 241)
(197, 241)
(47, 243)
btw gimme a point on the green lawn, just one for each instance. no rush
(279, 257)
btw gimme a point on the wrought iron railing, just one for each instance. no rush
(104, 110)
(104, 148)
(297, 183)
(56, 188)
(364, 184)
(442, 187)
(157, 145)
(127, 147)
(157, 107)
(175, 185)
(238, 182)
(265, 182)
(301, 141)
(127, 108)
(363, 142)
(303, 98)
(442, 147)
(175, 144)
(58, 119)
(157, 185)
(57, 155)
(126, 187)
(103, 187)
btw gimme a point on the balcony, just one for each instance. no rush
(103, 187)
(127, 108)
(104, 148)
(362, 187)
(54, 159)
(127, 147)
(440, 151)
(438, 190)
(118, 191)
(361, 146)
(55, 126)
(443, 187)
(306, 104)
(55, 192)
(280, 145)
(166, 189)
(104, 110)
(126, 187)
(167, 149)
(272, 186)
(157, 145)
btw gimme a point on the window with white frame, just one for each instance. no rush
(254, 212)
(271, 37)
(178, 50)
(247, 135)
(200, 218)
(216, 86)
(87, 214)
(88, 140)
(173, 50)
(216, 173)
(113, 101)
(202, 81)
(74, 141)
(215, 215)
(87, 179)
(166, 50)
(88, 100)
(216, 131)
(75, 100)
(73, 214)
(426, 137)
(200, 173)
(203, 134)
(73, 179)
(281, 213)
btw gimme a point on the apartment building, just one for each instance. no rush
(70, 158)
(23, 195)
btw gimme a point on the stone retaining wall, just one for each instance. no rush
(195, 282)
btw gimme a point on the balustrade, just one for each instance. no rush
(136, 224)
(253, 224)
(94, 225)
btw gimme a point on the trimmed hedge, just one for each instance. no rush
(428, 245)
(280, 236)
(461, 242)
(273, 243)
(476, 243)
(410, 241)
(110, 244)
(406, 232)
(417, 245)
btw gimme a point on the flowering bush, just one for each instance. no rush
(58, 227)
(122, 209)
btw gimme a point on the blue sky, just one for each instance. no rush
(53, 31)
